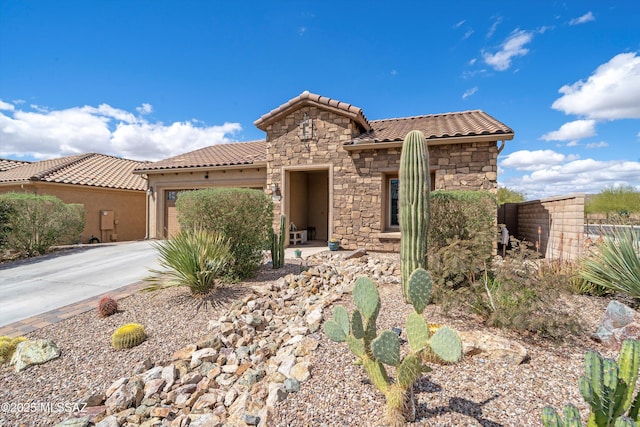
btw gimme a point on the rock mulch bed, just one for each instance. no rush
(262, 359)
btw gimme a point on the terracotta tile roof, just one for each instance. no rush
(306, 98)
(96, 170)
(6, 164)
(232, 154)
(435, 126)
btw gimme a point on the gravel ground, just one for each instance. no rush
(88, 364)
(475, 392)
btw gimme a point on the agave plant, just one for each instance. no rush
(615, 264)
(193, 258)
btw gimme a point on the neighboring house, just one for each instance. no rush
(331, 171)
(113, 197)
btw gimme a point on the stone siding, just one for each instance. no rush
(357, 177)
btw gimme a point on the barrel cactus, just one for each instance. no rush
(608, 388)
(414, 205)
(107, 306)
(128, 336)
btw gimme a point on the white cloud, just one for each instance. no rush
(573, 144)
(512, 47)
(525, 160)
(6, 106)
(302, 30)
(577, 129)
(572, 176)
(144, 109)
(600, 144)
(470, 92)
(587, 17)
(610, 93)
(459, 24)
(494, 27)
(103, 129)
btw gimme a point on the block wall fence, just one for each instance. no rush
(554, 225)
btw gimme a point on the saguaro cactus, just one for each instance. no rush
(414, 205)
(277, 243)
(608, 388)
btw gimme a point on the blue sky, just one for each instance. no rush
(151, 79)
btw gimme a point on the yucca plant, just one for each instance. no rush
(615, 264)
(193, 258)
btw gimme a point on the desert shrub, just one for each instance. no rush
(243, 215)
(193, 258)
(615, 263)
(35, 222)
(461, 234)
(519, 292)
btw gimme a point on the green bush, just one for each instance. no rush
(193, 258)
(6, 210)
(244, 216)
(35, 223)
(615, 263)
(462, 230)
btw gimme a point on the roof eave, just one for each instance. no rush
(200, 168)
(372, 145)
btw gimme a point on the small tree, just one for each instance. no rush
(506, 195)
(614, 200)
(35, 223)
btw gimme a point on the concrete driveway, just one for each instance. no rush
(34, 286)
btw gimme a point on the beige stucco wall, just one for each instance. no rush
(128, 208)
(245, 177)
(357, 178)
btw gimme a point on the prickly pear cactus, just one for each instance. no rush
(375, 350)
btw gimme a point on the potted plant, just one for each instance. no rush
(297, 253)
(334, 244)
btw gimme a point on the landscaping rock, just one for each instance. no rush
(620, 322)
(33, 352)
(492, 347)
(74, 422)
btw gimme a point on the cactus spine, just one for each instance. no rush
(277, 243)
(414, 205)
(359, 330)
(128, 336)
(608, 388)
